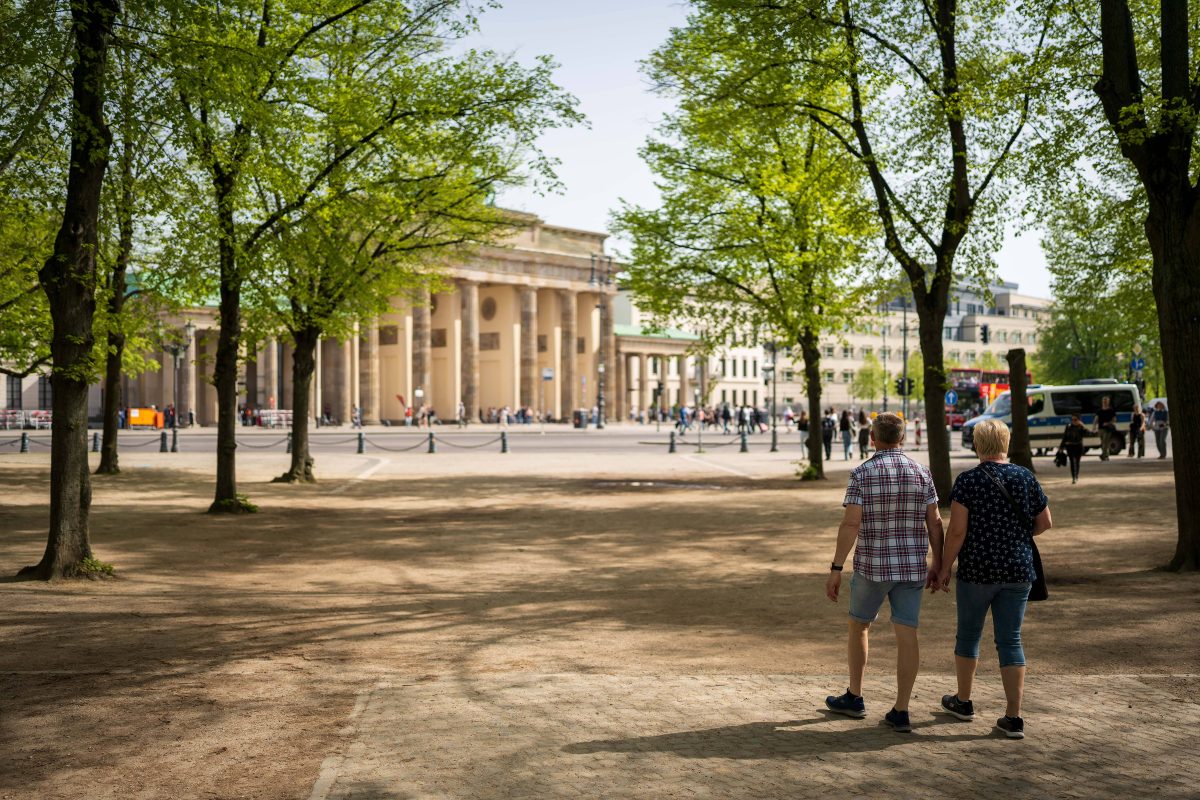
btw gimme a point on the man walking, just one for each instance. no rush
(891, 511)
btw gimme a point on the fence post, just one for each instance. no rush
(95, 442)
(362, 443)
(289, 446)
(671, 444)
(774, 441)
(174, 440)
(24, 442)
(745, 448)
(503, 441)
(162, 442)
(432, 446)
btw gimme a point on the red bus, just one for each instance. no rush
(976, 389)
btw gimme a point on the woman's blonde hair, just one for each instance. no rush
(991, 438)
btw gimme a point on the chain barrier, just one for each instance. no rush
(422, 443)
(38, 442)
(10, 441)
(263, 446)
(137, 444)
(489, 442)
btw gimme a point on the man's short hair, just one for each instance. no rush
(888, 429)
(991, 438)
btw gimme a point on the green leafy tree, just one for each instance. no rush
(759, 226)
(990, 361)
(932, 101)
(869, 379)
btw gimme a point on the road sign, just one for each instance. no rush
(951, 397)
(1137, 349)
(548, 373)
(1137, 363)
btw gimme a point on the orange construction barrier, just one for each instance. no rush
(144, 418)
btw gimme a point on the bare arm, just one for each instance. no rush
(1042, 522)
(847, 535)
(933, 524)
(955, 534)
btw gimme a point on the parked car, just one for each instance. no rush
(1051, 407)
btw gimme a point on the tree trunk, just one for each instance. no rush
(69, 278)
(304, 364)
(1019, 450)
(225, 368)
(812, 388)
(930, 325)
(1174, 233)
(116, 329)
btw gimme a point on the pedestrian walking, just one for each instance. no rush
(1072, 444)
(891, 512)
(1137, 432)
(726, 417)
(845, 427)
(802, 426)
(996, 510)
(829, 425)
(917, 433)
(1160, 423)
(864, 434)
(1106, 425)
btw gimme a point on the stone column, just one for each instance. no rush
(685, 389)
(608, 349)
(567, 371)
(315, 393)
(268, 376)
(422, 373)
(529, 376)
(344, 410)
(368, 367)
(644, 396)
(469, 297)
(617, 392)
(187, 381)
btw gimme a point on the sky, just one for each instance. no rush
(598, 46)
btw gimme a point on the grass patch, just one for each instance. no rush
(91, 568)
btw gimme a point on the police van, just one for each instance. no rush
(1050, 410)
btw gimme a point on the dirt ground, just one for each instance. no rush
(224, 660)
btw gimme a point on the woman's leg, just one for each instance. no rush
(1008, 612)
(972, 600)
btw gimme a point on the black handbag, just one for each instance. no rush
(1038, 590)
(1060, 458)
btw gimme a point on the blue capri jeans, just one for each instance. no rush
(1007, 602)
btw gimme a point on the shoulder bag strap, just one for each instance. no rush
(1020, 512)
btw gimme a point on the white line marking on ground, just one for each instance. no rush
(362, 476)
(333, 762)
(731, 470)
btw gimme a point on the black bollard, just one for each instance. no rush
(432, 446)
(362, 443)
(503, 441)
(289, 446)
(95, 442)
(24, 442)
(671, 444)
(174, 440)
(774, 441)
(162, 442)
(745, 448)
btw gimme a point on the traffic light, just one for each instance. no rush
(900, 387)
(984, 334)
(908, 386)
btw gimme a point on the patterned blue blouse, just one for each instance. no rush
(999, 546)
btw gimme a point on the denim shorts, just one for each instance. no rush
(866, 598)
(1007, 602)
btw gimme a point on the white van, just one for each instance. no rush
(1050, 410)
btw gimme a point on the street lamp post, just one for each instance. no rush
(772, 368)
(883, 352)
(601, 283)
(178, 352)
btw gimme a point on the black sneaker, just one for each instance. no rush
(1012, 727)
(851, 705)
(963, 709)
(898, 720)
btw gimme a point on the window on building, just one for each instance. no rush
(745, 369)
(866, 351)
(847, 376)
(948, 334)
(970, 356)
(789, 401)
(723, 367)
(827, 351)
(886, 330)
(745, 394)
(1016, 337)
(885, 353)
(829, 376)
(724, 399)
(45, 394)
(754, 365)
(1001, 336)
(789, 375)
(847, 352)
(1031, 338)
(13, 395)
(953, 355)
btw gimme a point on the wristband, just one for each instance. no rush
(835, 567)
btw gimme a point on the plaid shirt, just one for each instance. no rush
(894, 492)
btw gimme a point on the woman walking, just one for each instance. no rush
(1137, 432)
(996, 509)
(1160, 422)
(1072, 443)
(845, 425)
